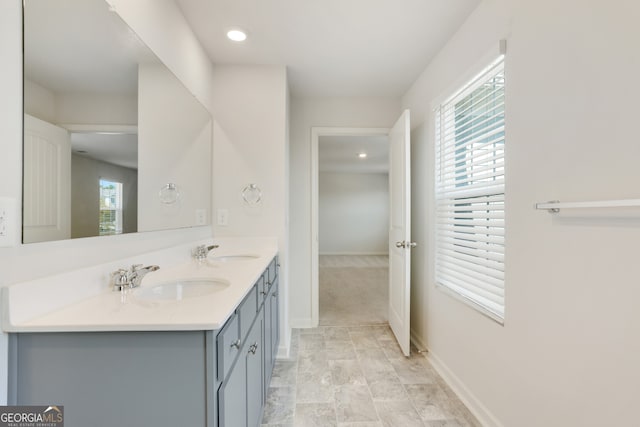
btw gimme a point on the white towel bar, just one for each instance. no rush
(555, 206)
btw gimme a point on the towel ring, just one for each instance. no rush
(169, 194)
(252, 195)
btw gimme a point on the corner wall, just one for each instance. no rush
(250, 106)
(567, 353)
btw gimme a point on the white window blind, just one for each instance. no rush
(469, 180)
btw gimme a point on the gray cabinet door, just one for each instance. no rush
(254, 362)
(232, 400)
(268, 344)
(275, 320)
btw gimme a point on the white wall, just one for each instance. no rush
(251, 110)
(79, 109)
(174, 146)
(305, 114)
(353, 213)
(39, 102)
(26, 262)
(96, 108)
(567, 354)
(162, 27)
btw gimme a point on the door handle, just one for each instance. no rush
(406, 245)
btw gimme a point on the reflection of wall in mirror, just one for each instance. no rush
(174, 134)
(77, 109)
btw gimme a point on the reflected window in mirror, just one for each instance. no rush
(110, 207)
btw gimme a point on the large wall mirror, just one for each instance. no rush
(113, 142)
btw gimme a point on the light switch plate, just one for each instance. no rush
(7, 222)
(201, 217)
(223, 217)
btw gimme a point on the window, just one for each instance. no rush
(110, 207)
(470, 239)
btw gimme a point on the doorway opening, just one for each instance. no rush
(350, 223)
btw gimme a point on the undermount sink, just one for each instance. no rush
(232, 258)
(176, 291)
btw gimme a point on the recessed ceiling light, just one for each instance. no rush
(362, 155)
(236, 35)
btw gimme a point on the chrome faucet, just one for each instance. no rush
(123, 279)
(138, 272)
(200, 252)
(120, 279)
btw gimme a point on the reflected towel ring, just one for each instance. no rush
(169, 194)
(252, 195)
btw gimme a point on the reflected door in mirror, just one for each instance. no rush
(47, 182)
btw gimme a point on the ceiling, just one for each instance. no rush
(63, 63)
(331, 47)
(340, 154)
(104, 60)
(117, 148)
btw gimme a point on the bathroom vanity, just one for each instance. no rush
(207, 362)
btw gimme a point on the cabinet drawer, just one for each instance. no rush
(228, 343)
(272, 271)
(263, 288)
(247, 311)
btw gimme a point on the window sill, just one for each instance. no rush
(474, 305)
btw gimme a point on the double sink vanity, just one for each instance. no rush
(192, 344)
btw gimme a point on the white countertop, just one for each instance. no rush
(108, 310)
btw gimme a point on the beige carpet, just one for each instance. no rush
(353, 290)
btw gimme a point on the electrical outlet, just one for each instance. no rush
(201, 217)
(7, 221)
(223, 217)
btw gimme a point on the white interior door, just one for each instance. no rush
(47, 182)
(400, 243)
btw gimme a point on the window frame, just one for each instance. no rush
(456, 164)
(118, 210)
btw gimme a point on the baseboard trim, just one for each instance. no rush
(417, 341)
(283, 352)
(477, 408)
(303, 323)
(284, 349)
(353, 253)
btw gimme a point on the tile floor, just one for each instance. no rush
(356, 376)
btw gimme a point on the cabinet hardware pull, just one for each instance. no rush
(253, 348)
(235, 344)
